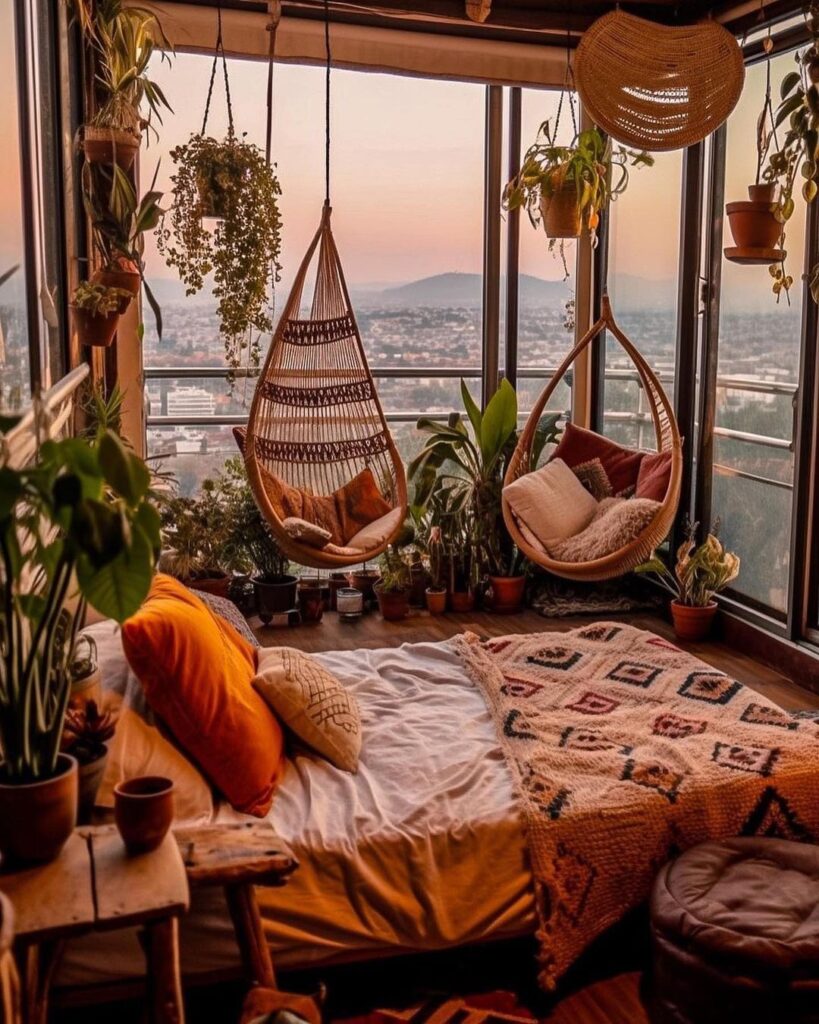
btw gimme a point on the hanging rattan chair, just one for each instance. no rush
(316, 421)
(620, 562)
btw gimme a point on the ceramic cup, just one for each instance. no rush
(143, 811)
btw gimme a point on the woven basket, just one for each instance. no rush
(561, 216)
(658, 87)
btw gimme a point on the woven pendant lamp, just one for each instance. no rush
(658, 87)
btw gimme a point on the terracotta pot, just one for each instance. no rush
(436, 601)
(364, 580)
(95, 329)
(338, 581)
(753, 224)
(561, 217)
(692, 623)
(36, 818)
(104, 145)
(143, 811)
(393, 604)
(764, 193)
(419, 579)
(120, 277)
(311, 602)
(506, 593)
(462, 600)
(274, 595)
(216, 585)
(89, 777)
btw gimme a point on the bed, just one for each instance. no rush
(423, 849)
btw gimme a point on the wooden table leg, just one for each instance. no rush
(36, 963)
(160, 941)
(247, 924)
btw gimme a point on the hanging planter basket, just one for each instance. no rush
(658, 87)
(560, 213)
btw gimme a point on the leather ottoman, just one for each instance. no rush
(735, 935)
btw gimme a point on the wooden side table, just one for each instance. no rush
(94, 885)
(238, 858)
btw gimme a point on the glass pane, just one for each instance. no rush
(759, 343)
(644, 239)
(408, 219)
(15, 381)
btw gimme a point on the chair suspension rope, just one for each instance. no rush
(327, 104)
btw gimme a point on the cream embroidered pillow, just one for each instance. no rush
(551, 503)
(312, 703)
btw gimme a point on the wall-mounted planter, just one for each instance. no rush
(95, 329)
(109, 145)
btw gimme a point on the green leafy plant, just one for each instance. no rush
(592, 165)
(251, 540)
(98, 299)
(436, 552)
(395, 571)
(797, 158)
(242, 250)
(76, 527)
(87, 730)
(700, 571)
(458, 477)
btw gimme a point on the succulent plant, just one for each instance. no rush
(87, 729)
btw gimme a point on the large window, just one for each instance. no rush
(407, 192)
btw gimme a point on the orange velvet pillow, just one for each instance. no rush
(359, 503)
(196, 672)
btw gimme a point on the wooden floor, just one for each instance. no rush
(603, 988)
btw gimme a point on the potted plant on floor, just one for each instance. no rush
(86, 681)
(566, 187)
(232, 180)
(364, 579)
(76, 526)
(436, 591)
(393, 589)
(95, 309)
(85, 737)
(700, 572)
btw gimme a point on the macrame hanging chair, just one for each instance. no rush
(316, 421)
(622, 561)
(658, 87)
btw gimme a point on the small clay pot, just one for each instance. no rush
(462, 600)
(338, 581)
(123, 277)
(561, 216)
(36, 818)
(274, 595)
(311, 602)
(692, 623)
(393, 604)
(364, 580)
(436, 601)
(218, 585)
(143, 811)
(94, 329)
(764, 193)
(753, 224)
(506, 593)
(105, 145)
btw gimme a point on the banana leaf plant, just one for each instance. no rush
(458, 477)
(77, 527)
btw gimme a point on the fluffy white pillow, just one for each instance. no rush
(551, 503)
(618, 522)
(312, 703)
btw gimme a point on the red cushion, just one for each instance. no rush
(654, 476)
(621, 465)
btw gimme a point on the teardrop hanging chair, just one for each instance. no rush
(316, 423)
(622, 561)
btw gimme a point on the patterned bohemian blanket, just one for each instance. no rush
(626, 750)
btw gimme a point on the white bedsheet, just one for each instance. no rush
(422, 849)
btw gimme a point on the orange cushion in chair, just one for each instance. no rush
(359, 503)
(196, 672)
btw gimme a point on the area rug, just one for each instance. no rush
(489, 1008)
(555, 598)
(626, 750)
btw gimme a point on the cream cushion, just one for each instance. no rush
(311, 703)
(551, 503)
(618, 522)
(308, 533)
(376, 532)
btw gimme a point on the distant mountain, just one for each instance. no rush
(631, 293)
(456, 289)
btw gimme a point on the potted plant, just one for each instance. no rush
(566, 187)
(436, 591)
(796, 158)
(699, 574)
(95, 309)
(76, 526)
(122, 41)
(85, 737)
(231, 178)
(311, 593)
(393, 589)
(364, 579)
(86, 682)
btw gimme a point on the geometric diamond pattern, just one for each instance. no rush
(675, 727)
(745, 759)
(634, 673)
(594, 704)
(575, 878)
(653, 775)
(558, 657)
(762, 714)
(577, 737)
(773, 818)
(712, 687)
(549, 797)
(520, 687)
